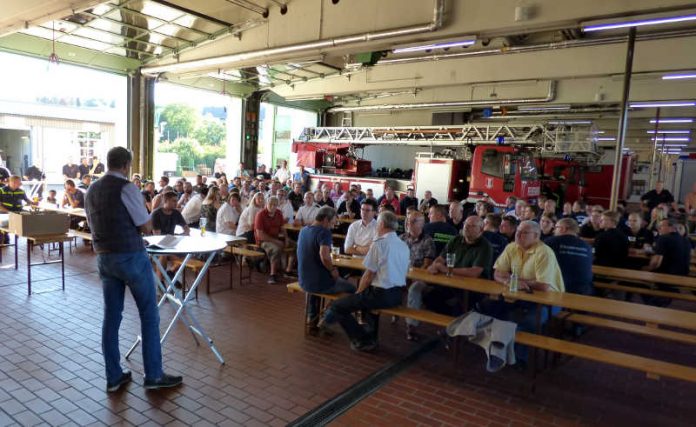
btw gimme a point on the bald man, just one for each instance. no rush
(473, 257)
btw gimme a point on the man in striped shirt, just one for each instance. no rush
(12, 196)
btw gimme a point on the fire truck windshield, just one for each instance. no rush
(528, 171)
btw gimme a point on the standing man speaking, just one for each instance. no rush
(117, 216)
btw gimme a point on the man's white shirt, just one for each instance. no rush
(192, 209)
(360, 234)
(306, 214)
(226, 214)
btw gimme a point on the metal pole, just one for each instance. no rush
(651, 179)
(662, 158)
(623, 119)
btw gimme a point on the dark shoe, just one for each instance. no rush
(411, 333)
(326, 329)
(290, 274)
(520, 366)
(271, 280)
(312, 321)
(166, 381)
(367, 347)
(126, 377)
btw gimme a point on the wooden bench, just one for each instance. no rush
(654, 369)
(194, 265)
(77, 234)
(652, 331)
(413, 313)
(249, 252)
(80, 234)
(644, 277)
(645, 291)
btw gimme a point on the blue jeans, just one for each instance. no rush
(132, 269)
(371, 298)
(340, 286)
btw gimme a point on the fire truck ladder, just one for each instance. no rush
(552, 139)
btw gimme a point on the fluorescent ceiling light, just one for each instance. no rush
(558, 107)
(658, 104)
(600, 132)
(652, 19)
(679, 76)
(442, 44)
(606, 138)
(570, 122)
(673, 145)
(661, 121)
(670, 131)
(677, 139)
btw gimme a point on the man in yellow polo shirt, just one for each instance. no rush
(533, 261)
(537, 270)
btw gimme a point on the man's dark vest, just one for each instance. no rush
(113, 230)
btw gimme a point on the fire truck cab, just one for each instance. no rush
(499, 171)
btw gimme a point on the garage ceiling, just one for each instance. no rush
(517, 48)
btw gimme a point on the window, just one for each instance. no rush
(87, 142)
(528, 170)
(492, 163)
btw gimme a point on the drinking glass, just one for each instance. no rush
(450, 264)
(203, 223)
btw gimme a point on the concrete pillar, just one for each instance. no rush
(141, 116)
(250, 134)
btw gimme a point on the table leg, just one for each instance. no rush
(16, 252)
(199, 330)
(176, 297)
(29, 248)
(231, 271)
(194, 325)
(62, 264)
(164, 289)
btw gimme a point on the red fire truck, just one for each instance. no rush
(491, 166)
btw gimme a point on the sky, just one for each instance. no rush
(24, 78)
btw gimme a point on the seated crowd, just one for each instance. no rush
(549, 246)
(550, 249)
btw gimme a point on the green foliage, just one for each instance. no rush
(181, 121)
(192, 153)
(210, 132)
(195, 141)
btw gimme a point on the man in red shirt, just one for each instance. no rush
(389, 198)
(269, 233)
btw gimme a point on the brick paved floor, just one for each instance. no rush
(51, 368)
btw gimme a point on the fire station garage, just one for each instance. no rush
(347, 212)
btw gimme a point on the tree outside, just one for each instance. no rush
(197, 141)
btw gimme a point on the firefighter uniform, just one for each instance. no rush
(11, 199)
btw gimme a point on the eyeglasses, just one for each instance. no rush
(525, 232)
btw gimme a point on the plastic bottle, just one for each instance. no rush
(513, 281)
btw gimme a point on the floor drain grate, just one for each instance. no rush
(337, 405)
